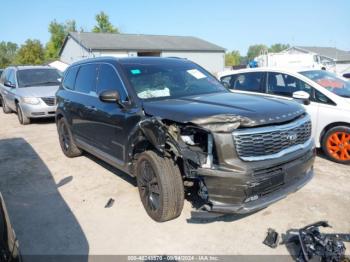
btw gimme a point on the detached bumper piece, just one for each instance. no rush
(316, 246)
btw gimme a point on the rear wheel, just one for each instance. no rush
(5, 107)
(67, 143)
(23, 120)
(160, 186)
(336, 144)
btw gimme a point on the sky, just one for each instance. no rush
(232, 24)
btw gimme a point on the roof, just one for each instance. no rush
(145, 60)
(135, 42)
(330, 52)
(24, 67)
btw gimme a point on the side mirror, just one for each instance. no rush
(225, 84)
(111, 96)
(347, 75)
(9, 84)
(302, 96)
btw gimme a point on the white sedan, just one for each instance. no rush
(326, 98)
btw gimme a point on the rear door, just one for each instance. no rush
(251, 82)
(82, 100)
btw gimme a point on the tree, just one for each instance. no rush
(232, 58)
(58, 32)
(255, 50)
(7, 53)
(276, 48)
(30, 53)
(103, 24)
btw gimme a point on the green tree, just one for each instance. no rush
(276, 48)
(103, 24)
(255, 50)
(232, 58)
(58, 32)
(30, 53)
(7, 53)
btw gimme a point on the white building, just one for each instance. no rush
(340, 58)
(79, 46)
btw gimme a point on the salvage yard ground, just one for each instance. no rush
(57, 205)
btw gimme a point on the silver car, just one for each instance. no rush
(29, 91)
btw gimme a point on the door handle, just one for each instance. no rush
(93, 108)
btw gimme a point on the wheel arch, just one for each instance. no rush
(330, 126)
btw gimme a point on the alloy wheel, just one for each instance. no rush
(149, 186)
(338, 145)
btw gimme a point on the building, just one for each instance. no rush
(79, 46)
(328, 55)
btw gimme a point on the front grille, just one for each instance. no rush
(50, 101)
(268, 141)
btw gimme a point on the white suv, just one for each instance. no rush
(326, 98)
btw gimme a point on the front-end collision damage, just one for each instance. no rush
(224, 123)
(192, 141)
(190, 144)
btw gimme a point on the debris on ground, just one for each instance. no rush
(272, 238)
(312, 244)
(65, 181)
(109, 203)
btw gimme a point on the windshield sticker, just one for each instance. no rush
(196, 74)
(135, 71)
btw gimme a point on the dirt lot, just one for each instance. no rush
(57, 205)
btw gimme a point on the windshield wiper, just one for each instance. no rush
(41, 83)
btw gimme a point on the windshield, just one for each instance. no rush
(158, 80)
(330, 81)
(38, 77)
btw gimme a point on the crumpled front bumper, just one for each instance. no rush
(254, 189)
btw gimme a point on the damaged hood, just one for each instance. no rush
(224, 112)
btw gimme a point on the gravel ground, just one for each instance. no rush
(56, 205)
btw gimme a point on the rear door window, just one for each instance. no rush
(69, 79)
(109, 80)
(251, 82)
(285, 85)
(86, 79)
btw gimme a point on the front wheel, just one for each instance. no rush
(68, 146)
(160, 186)
(336, 144)
(23, 120)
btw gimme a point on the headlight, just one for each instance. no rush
(30, 100)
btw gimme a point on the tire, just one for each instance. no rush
(66, 139)
(5, 107)
(23, 120)
(160, 186)
(336, 144)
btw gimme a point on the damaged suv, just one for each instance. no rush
(169, 123)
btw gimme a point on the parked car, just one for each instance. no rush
(326, 98)
(9, 247)
(169, 122)
(29, 91)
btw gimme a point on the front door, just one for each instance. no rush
(285, 85)
(113, 123)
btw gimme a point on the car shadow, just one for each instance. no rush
(131, 180)
(42, 121)
(45, 226)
